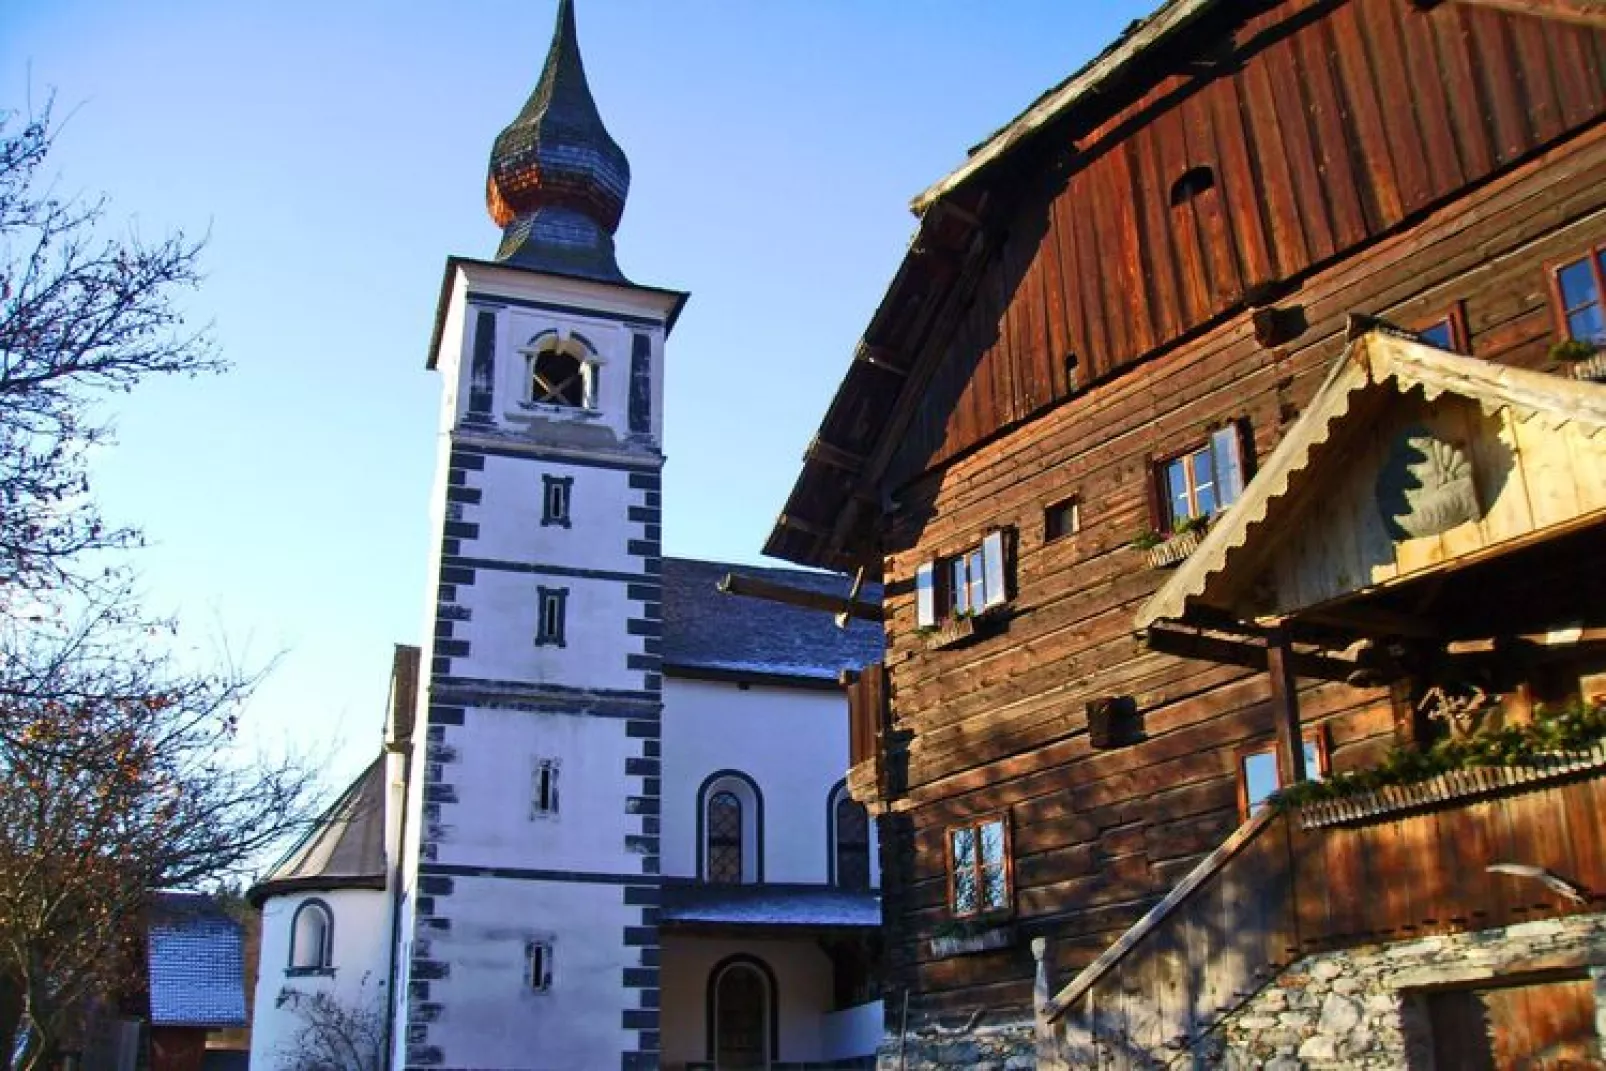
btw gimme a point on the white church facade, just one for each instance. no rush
(607, 828)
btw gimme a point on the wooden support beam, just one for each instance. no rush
(1248, 652)
(882, 357)
(798, 524)
(1285, 707)
(757, 588)
(833, 455)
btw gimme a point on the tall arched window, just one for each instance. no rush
(725, 838)
(851, 844)
(312, 933)
(742, 1013)
(730, 829)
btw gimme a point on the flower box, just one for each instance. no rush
(1590, 368)
(971, 943)
(1174, 550)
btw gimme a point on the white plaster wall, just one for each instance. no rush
(802, 973)
(359, 956)
(490, 1017)
(792, 741)
(490, 825)
(851, 1032)
(511, 529)
(504, 607)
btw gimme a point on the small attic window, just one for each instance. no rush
(1194, 181)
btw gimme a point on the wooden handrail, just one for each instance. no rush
(1209, 866)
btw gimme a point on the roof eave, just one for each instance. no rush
(1162, 24)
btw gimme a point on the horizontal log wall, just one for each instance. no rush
(1099, 836)
(1325, 126)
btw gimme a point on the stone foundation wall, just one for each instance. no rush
(1006, 1047)
(1365, 1007)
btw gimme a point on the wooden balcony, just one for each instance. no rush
(1462, 853)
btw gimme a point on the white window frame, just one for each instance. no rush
(571, 345)
(971, 583)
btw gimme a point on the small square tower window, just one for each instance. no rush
(544, 789)
(552, 607)
(538, 965)
(556, 492)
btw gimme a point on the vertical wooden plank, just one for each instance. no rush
(1324, 111)
(1295, 123)
(1496, 68)
(1285, 707)
(1586, 457)
(1078, 336)
(1238, 186)
(1379, 183)
(1535, 81)
(1121, 211)
(1275, 182)
(1421, 62)
(1497, 471)
(1089, 276)
(1056, 327)
(1396, 89)
(1463, 92)
(1220, 260)
(1578, 75)
(1184, 228)
(1112, 262)
(1159, 265)
(1547, 470)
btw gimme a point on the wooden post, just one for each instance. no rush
(1285, 704)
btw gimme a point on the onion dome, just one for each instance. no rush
(557, 181)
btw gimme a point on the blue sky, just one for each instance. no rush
(335, 154)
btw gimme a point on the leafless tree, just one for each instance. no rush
(82, 313)
(334, 1035)
(119, 771)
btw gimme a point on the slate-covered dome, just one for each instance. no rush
(558, 181)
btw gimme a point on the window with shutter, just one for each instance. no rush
(969, 584)
(1201, 482)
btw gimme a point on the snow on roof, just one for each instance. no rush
(197, 966)
(707, 630)
(770, 905)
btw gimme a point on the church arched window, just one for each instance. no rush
(730, 825)
(312, 932)
(850, 841)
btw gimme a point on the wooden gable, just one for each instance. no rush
(1263, 149)
(1409, 461)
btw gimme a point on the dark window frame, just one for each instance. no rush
(551, 625)
(979, 867)
(1455, 318)
(1161, 516)
(1069, 510)
(557, 500)
(1595, 257)
(544, 783)
(539, 963)
(835, 800)
(325, 957)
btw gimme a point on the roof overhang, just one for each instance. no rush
(1168, 20)
(1408, 464)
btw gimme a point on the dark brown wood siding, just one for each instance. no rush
(1331, 125)
(1000, 725)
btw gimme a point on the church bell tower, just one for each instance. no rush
(530, 886)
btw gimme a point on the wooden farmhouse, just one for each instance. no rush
(1230, 423)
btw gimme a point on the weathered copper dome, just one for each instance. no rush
(557, 181)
